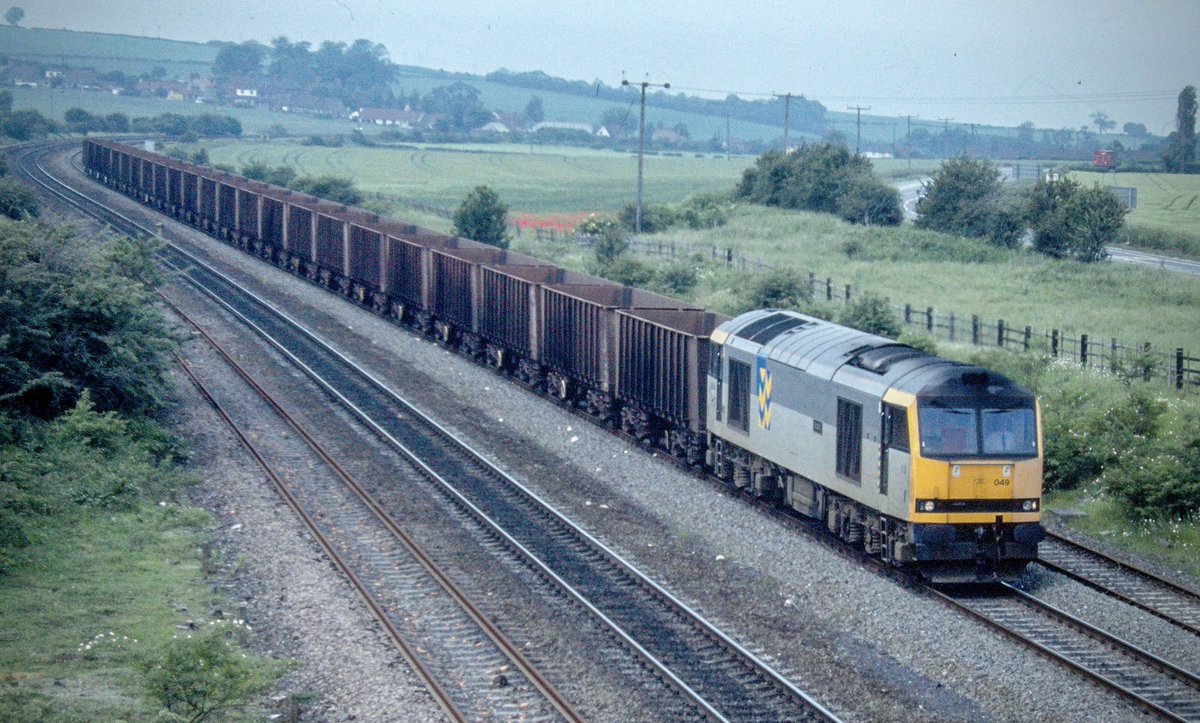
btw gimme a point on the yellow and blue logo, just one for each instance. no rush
(762, 389)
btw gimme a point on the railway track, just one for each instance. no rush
(1141, 676)
(1134, 586)
(426, 616)
(717, 677)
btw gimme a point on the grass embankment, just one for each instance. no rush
(101, 585)
(948, 273)
(100, 593)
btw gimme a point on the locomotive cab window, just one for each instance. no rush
(966, 428)
(739, 395)
(895, 427)
(849, 440)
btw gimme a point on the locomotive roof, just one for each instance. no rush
(867, 362)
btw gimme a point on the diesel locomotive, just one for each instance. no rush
(923, 462)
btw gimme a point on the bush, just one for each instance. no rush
(608, 238)
(331, 188)
(74, 321)
(16, 201)
(778, 289)
(1070, 221)
(202, 674)
(870, 202)
(482, 217)
(676, 279)
(627, 270)
(871, 313)
(811, 178)
(962, 198)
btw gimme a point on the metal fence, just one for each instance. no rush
(1175, 367)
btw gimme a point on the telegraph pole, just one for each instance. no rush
(858, 109)
(642, 145)
(945, 124)
(908, 140)
(787, 112)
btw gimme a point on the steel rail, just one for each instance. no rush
(440, 694)
(816, 708)
(1184, 598)
(510, 650)
(1167, 705)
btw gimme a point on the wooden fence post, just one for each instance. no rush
(1083, 350)
(1054, 343)
(1028, 335)
(929, 319)
(1000, 333)
(908, 313)
(975, 329)
(1112, 362)
(812, 285)
(951, 326)
(847, 293)
(828, 289)
(1179, 368)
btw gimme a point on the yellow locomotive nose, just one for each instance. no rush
(980, 481)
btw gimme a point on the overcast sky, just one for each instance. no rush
(1053, 62)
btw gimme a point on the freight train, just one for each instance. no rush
(922, 462)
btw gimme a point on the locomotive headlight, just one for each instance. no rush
(1029, 505)
(926, 505)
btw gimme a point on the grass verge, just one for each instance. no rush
(99, 593)
(1174, 543)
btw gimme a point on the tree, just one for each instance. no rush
(1135, 129)
(15, 15)
(482, 217)
(1183, 141)
(459, 103)
(618, 123)
(534, 113)
(812, 178)
(1070, 221)
(239, 59)
(1102, 122)
(5, 102)
(961, 198)
(871, 202)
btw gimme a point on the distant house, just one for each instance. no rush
(496, 127)
(163, 89)
(26, 76)
(390, 117)
(602, 132)
(310, 105)
(561, 126)
(242, 90)
(84, 79)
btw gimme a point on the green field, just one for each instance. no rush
(105, 52)
(1168, 203)
(53, 103)
(548, 180)
(1107, 300)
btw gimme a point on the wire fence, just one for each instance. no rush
(1174, 367)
